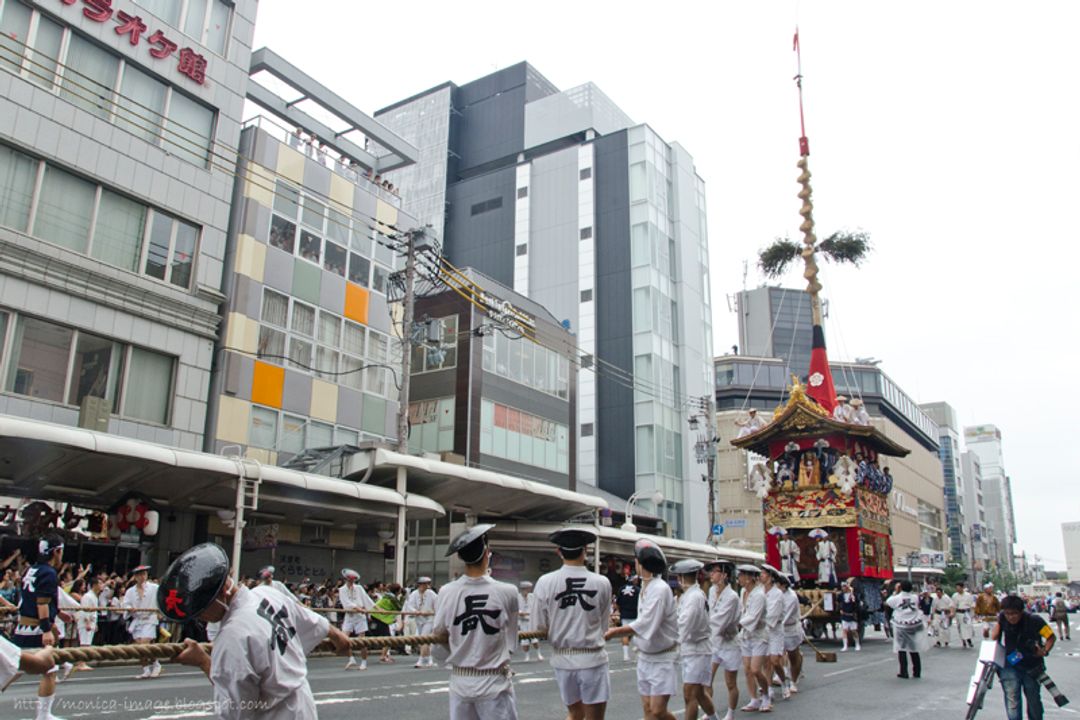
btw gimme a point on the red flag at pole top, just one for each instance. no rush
(795, 43)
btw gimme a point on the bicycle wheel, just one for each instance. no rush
(985, 681)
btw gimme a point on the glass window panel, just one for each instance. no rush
(39, 359)
(335, 258)
(300, 354)
(195, 21)
(344, 436)
(292, 434)
(271, 345)
(96, 370)
(337, 227)
(183, 254)
(310, 246)
(352, 372)
(90, 76)
(377, 347)
(157, 255)
(352, 339)
(18, 173)
(376, 380)
(514, 363)
(320, 435)
(303, 319)
(359, 269)
(191, 125)
(263, 432)
(167, 10)
(148, 388)
(217, 30)
(378, 279)
(64, 209)
(329, 328)
(143, 106)
(46, 52)
(360, 240)
(282, 234)
(314, 212)
(119, 230)
(275, 308)
(14, 35)
(286, 199)
(326, 363)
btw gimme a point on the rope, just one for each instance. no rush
(168, 651)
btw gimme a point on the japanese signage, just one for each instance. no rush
(189, 62)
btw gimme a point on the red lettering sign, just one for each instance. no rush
(130, 25)
(98, 10)
(193, 65)
(163, 47)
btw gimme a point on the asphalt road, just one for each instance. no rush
(860, 685)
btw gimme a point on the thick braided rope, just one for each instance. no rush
(168, 651)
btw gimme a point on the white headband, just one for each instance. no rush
(43, 546)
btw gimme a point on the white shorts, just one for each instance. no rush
(425, 628)
(754, 648)
(144, 631)
(354, 624)
(728, 658)
(849, 624)
(792, 642)
(776, 643)
(696, 670)
(655, 678)
(494, 707)
(590, 686)
(86, 637)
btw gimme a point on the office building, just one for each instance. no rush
(564, 199)
(979, 533)
(1070, 537)
(775, 322)
(985, 441)
(956, 485)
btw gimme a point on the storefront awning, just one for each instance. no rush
(95, 470)
(471, 490)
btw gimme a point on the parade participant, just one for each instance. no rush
(422, 600)
(1027, 639)
(572, 606)
(963, 605)
(842, 412)
(479, 616)
(694, 651)
(857, 412)
(88, 619)
(655, 632)
(849, 616)
(627, 602)
(259, 664)
(525, 601)
(909, 628)
(793, 634)
(384, 617)
(144, 625)
(826, 557)
(754, 639)
(942, 610)
(1059, 613)
(353, 597)
(751, 424)
(987, 607)
(266, 577)
(789, 554)
(774, 624)
(37, 614)
(724, 612)
(14, 662)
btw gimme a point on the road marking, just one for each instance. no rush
(857, 667)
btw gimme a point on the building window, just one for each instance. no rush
(428, 358)
(486, 206)
(515, 435)
(586, 429)
(18, 173)
(586, 233)
(586, 295)
(586, 362)
(58, 364)
(547, 370)
(522, 249)
(522, 192)
(585, 173)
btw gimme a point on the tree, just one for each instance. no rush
(1003, 579)
(953, 574)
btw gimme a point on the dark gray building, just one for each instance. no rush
(775, 322)
(563, 198)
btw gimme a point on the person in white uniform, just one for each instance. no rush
(963, 614)
(422, 600)
(87, 620)
(479, 617)
(14, 662)
(754, 638)
(266, 577)
(695, 654)
(724, 612)
(354, 597)
(140, 602)
(789, 555)
(941, 610)
(857, 413)
(842, 411)
(655, 632)
(525, 602)
(793, 634)
(573, 606)
(826, 557)
(259, 665)
(774, 624)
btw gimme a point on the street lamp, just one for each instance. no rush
(656, 496)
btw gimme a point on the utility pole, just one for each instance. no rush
(406, 338)
(705, 451)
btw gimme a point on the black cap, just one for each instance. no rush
(721, 565)
(572, 538)
(651, 557)
(470, 544)
(686, 567)
(192, 582)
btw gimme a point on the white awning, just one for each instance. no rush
(471, 490)
(94, 470)
(917, 570)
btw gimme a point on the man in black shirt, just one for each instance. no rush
(626, 599)
(1027, 640)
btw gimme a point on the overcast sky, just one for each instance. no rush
(949, 131)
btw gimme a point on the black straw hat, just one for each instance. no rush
(192, 582)
(470, 544)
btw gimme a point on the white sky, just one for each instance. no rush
(949, 131)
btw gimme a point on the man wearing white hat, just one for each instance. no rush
(142, 596)
(963, 605)
(857, 413)
(842, 412)
(422, 600)
(793, 634)
(525, 602)
(724, 613)
(266, 577)
(573, 606)
(751, 424)
(754, 639)
(789, 554)
(354, 598)
(826, 557)
(694, 649)
(987, 607)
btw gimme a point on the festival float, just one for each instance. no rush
(819, 465)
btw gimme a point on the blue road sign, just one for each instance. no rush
(718, 529)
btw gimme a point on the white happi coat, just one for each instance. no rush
(693, 618)
(525, 606)
(826, 557)
(724, 612)
(656, 631)
(259, 663)
(142, 623)
(355, 597)
(941, 621)
(964, 602)
(574, 605)
(789, 557)
(422, 603)
(752, 620)
(88, 619)
(792, 621)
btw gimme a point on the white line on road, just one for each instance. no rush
(857, 667)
